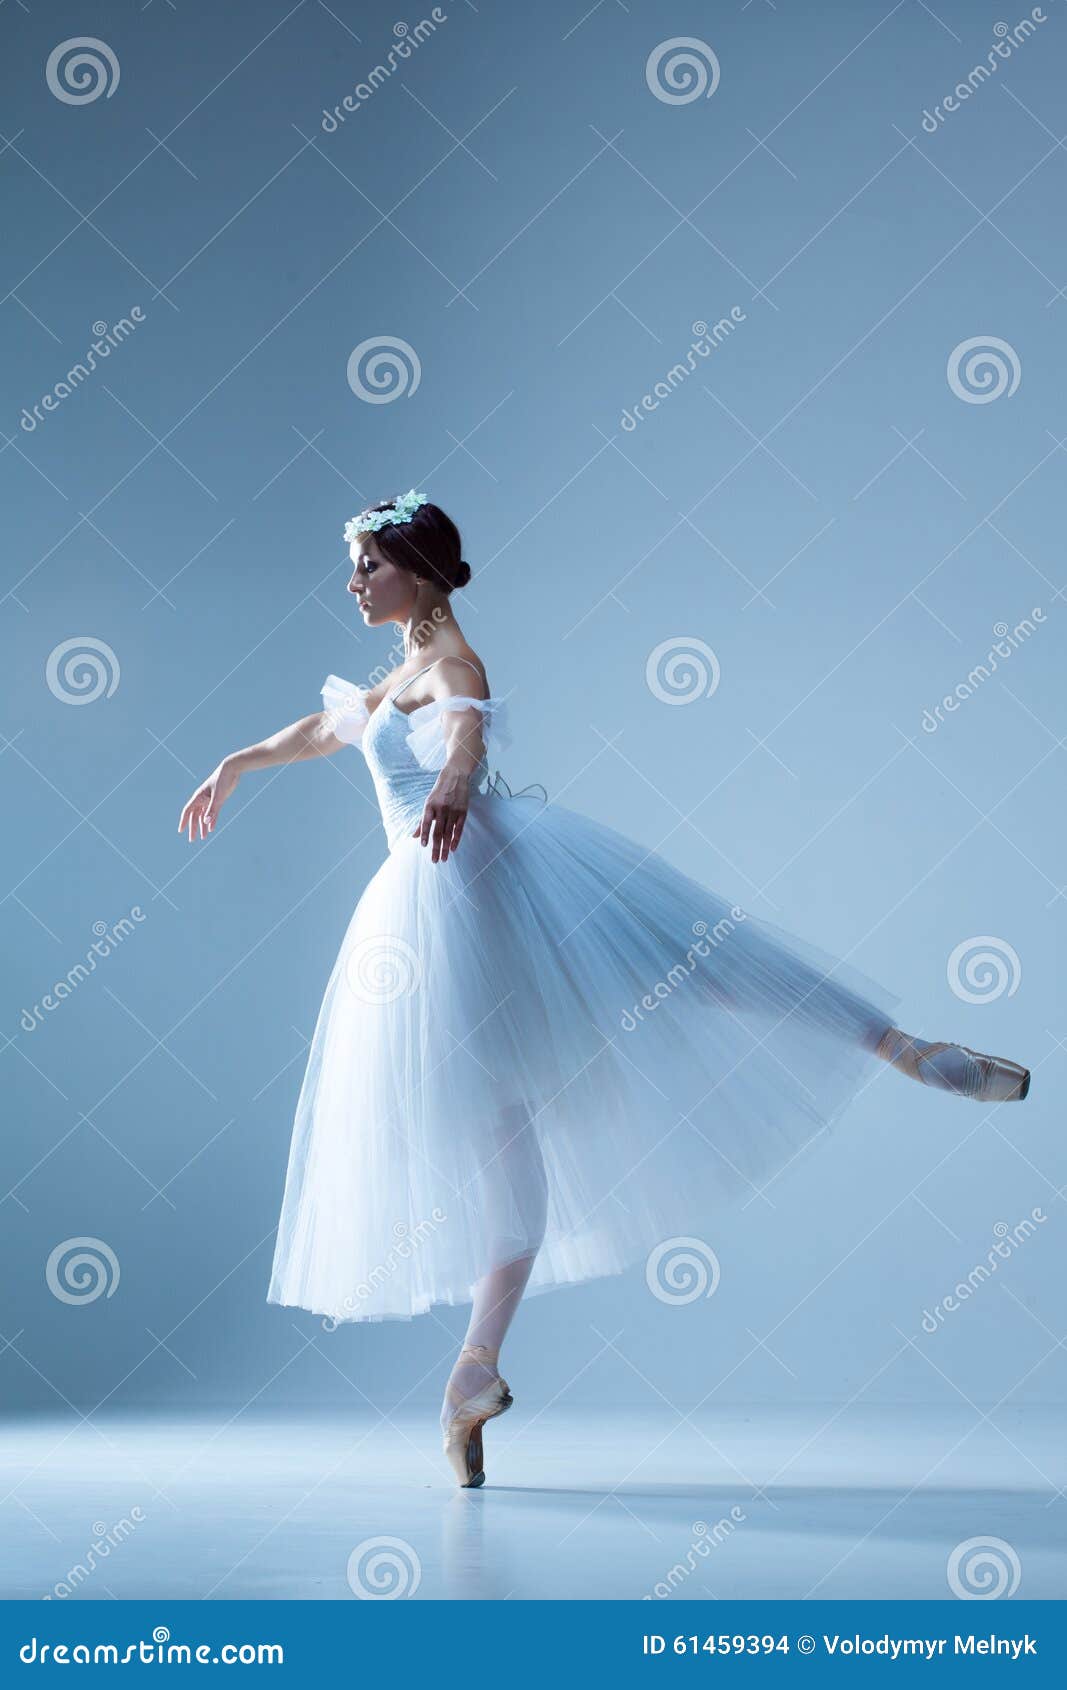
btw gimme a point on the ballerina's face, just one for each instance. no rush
(382, 590)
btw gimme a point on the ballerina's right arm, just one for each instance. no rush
(311, 736)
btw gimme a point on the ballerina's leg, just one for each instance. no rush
(515, 1178)
(820, 1001)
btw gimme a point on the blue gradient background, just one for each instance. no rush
(815, 503)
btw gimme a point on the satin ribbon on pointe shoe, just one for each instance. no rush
(986, 1079)
(463, 1436)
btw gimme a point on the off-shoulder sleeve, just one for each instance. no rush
(346, 708)
(426, 736)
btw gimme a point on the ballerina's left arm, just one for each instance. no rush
(446, 807)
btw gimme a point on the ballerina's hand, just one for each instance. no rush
(445, 813)
(202, 808)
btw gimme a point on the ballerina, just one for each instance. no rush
(542, 1050)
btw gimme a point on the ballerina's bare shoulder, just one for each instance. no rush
(423, 683)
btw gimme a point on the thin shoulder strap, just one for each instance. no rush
(422, 671)
(398, 690)
(465, 660)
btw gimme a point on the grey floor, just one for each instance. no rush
(748, 1502)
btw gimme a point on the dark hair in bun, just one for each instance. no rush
(428, 544)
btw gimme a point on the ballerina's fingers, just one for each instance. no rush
(429, 823)
(190, 818)
(451, 828)
(205, 817)
(442, 834)
(445, 823)
(197, 819)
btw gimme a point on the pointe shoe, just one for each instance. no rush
(463, 1437)
(986, 1079)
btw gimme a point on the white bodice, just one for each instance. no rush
(404, 750)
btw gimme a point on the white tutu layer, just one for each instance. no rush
(556, 1040)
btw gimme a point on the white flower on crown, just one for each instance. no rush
(402, 509)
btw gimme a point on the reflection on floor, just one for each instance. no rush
(748, 1502)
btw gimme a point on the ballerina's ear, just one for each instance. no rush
(346, 708)
(426, 736)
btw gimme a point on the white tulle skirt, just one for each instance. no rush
(557, 1042)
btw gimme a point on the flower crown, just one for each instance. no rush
(402, 509)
